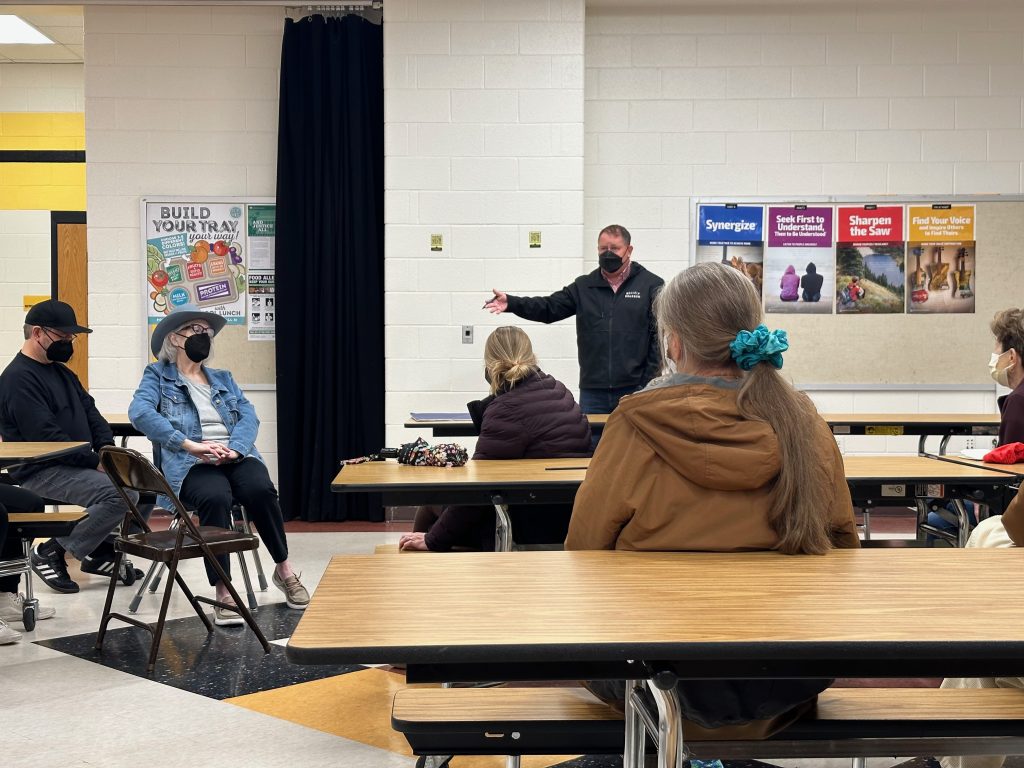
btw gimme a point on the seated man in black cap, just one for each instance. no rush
(41, 399)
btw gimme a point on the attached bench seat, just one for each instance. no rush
(29, 525)
(850, 722)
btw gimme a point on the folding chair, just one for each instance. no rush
(240, 522)
(129, 469)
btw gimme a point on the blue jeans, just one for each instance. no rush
(602, 401)
(938, 521)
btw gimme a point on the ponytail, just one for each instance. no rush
(796, 513)
(508, 358)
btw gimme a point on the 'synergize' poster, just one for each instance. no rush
(733, 235)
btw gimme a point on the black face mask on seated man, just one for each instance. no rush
(610, 261)
(60, 351)
(197, 348)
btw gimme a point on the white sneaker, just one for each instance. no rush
(8, 635)
(12, 605)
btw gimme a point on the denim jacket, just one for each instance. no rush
(163, 410)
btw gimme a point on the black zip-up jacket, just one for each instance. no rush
(616, 335)
(47, 403)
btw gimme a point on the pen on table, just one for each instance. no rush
(555, 469)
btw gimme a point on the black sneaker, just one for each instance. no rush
(103, 567)
(51, 568)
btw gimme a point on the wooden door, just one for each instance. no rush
(70, 278)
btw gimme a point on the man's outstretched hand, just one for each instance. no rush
(498, 304)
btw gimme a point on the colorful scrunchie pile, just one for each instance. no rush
(759, 346)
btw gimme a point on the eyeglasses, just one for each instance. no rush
(196, 329)
(61, 336)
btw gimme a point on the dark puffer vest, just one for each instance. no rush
(538, 418)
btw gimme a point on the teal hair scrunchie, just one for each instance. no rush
(757, 346)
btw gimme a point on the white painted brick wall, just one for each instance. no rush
(897, 98)
(148, 133)
(484, 144)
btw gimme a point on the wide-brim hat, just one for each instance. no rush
(179, 317)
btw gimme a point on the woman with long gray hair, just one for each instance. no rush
(721, 454)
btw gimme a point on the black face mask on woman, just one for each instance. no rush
(610, 261)
(197, 347)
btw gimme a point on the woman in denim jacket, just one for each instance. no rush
(206, 430)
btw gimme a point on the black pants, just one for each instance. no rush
(211, 489)
(14, 499)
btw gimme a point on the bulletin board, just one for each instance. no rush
(932, 331)
(216, 253)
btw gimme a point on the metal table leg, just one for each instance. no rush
(671, 753)
(636, 715)
(502, 525)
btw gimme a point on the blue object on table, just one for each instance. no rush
(457, 416)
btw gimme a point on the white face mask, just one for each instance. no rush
(999, 376)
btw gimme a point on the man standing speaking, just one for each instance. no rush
(616, 334)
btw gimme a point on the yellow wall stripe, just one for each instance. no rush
(42, 130)
(42, 186)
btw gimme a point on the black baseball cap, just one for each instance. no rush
(56, 315)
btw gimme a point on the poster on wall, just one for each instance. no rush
(799, 260)
(870, 260)
(195, 254)
(733, 235)
(261, 230)
(941, 250)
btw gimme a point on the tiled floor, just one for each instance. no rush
(213, 700)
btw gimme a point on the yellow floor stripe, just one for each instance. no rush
(357, 706)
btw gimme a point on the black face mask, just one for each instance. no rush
(60, 351)
(197, 347)
(610, 262)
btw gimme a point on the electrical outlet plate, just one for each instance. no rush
(969, 444)
(467, 334)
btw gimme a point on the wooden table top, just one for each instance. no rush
(1013, 469)
(875, 606)
(911, 469)
(390, 475)
(121, 425)
(14, 452)
(948, 419)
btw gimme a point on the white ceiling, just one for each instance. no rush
(61, 23)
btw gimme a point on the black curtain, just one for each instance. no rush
(330, 261)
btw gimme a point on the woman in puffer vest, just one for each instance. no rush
(528, 415)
